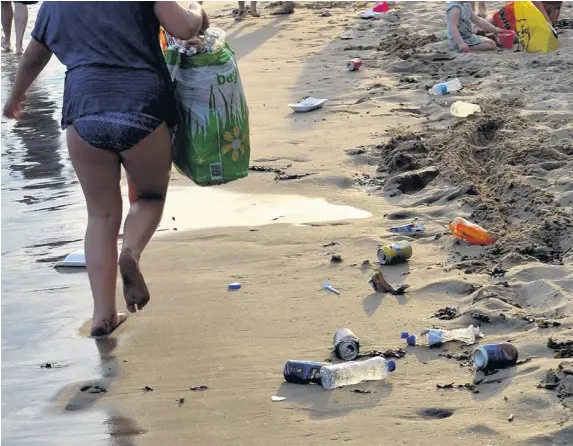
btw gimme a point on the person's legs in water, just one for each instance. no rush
(148, 165)
(286, 8)
(7, 16)
(20, 24)
(99, 173)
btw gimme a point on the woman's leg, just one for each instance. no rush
(20, 24)
(99, 173)
(7, 16)
(241, 13)
(254, 11)
(148, 165)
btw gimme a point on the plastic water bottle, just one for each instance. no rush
(445, 87)
(461, 109)
(433, 336)
(350, 373)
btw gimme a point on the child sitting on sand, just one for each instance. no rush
(460, 33)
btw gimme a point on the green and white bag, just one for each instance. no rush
(212, 139)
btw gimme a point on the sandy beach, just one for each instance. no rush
(381, 152)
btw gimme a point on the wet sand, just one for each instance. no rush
(194, 332)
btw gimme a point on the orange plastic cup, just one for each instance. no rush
(470, 232)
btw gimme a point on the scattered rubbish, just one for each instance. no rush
(446, 313)
(292, 176)
(369, 14)
(397, 354)
(234, 286)
(461, 109)
(435, 336)
(354, 372)
(445, 87)
(466, 386)
(365, 266)
(346, 344)
(464, 358)
(495, 356)
(354, 64)
(200, 388)
(361, 391)
(302, 372)
(564, 349)
(336, 258)
(347, 35)
(525, 361)
(480, 317)
(307, 104)
(510, 418)
(470, 232)
(148, 389)
(408, 228)
(328, 287)
(324, 14)
(180, 401)
(398, 252)
(277, 398)
(544, 323)
(379, 284)
(47, 365)
(329, 244)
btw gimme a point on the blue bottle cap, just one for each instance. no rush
(391, 364)
(234, 286)
(411, 340)
(404, 335)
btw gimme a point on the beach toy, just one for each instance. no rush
(328, 287)
(307, 104)
(470, 232)
(507, 38)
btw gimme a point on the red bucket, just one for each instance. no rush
(507, 38)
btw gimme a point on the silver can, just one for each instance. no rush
(346, 344)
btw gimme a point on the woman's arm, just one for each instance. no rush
(485, 25)
(454, 28)
(181, 23)
(33, 61)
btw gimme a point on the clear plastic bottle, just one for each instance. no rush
(462, 109)
(435, 336)
(445, 87)
(350, 373)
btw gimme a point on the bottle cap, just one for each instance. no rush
(234, 286)
(411, 340)
(391, 364)
(404, 335)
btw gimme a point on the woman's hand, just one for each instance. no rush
(13, 107)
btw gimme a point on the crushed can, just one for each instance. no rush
(398, 252)
(354, 64)
(346, 344)
(495, 356)
(302, 372)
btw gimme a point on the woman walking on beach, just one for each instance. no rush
(117, 109)
(20, 16)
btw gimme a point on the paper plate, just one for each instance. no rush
(75, 259)
(308, 104)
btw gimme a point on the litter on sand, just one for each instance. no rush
(276, 399)
(307, 104)
(328, 287)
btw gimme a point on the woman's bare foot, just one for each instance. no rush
(18, 51)
(240, 15)
(107, 325)
(134, 287)
(255, 13)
